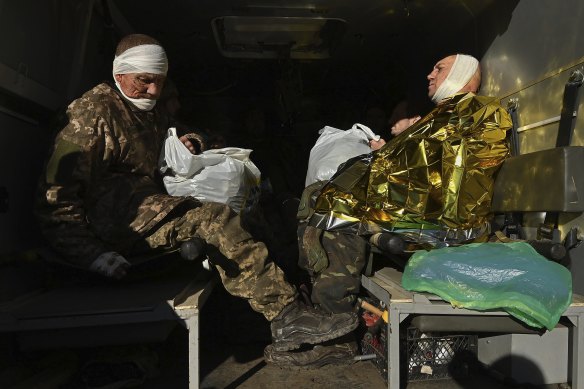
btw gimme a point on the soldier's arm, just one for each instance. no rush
(76, 160)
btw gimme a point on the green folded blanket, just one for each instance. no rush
(486, 276)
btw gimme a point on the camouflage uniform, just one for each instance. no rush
(335, 288)
(102, 192)
(333, 259)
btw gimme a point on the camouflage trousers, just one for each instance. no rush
(260, 282)
(335, 288)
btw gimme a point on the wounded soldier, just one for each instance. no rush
(102, 202)
(432, 184)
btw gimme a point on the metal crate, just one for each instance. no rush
(376, 343)
(432, 356)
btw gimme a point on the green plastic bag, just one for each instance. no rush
(486, 276)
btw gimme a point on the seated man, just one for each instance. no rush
(102, 200)
(432, 184)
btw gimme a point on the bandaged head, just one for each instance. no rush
(460, 74)
(141, 59)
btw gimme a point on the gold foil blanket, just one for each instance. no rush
(433, 183)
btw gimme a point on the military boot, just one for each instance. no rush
(337, 353)
(298, 324)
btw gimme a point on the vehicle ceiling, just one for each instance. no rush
(388, 46)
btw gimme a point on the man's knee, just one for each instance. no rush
(218, 222)
(336, 294)
(213, 211)
(346, 252)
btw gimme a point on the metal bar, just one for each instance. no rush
(19, 116)
(28, 88)
(569, 108)
(512, 105)
(541, 123)
(161, 313)
(545, 77)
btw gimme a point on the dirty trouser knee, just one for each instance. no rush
(335, 289)
(261, 282)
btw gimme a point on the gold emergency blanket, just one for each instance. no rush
(432, 183)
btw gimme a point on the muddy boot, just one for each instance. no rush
(298, 324)
(330, 353)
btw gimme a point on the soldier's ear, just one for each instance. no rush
(118, 78)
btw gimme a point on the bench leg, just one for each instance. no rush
(393, 352)
(192, 324)
(577, 351)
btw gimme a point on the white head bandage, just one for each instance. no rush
(141, 59)
(462, 70)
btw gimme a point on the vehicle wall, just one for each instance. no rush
(530, 59)
(48, 54)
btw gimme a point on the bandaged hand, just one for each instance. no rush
(110, 264)
(315, 253)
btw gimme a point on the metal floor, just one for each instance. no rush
(232, 341)
(231, 352)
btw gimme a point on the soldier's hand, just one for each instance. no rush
(121, 271)
(194, 142)
(376, 144)
(110, 264)
(188, 144)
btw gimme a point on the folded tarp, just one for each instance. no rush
(486, 276)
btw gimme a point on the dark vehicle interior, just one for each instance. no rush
(267, 75)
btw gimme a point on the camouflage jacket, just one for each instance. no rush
(101, 190)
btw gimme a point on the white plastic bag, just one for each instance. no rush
(178, 157)
(333, 147)
(225, 175)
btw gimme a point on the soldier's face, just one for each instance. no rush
(439, 74)
(141, 85)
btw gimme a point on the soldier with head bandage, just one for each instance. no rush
(454, 74)
(451, 75)
(431, 185)
(149, 58)
(103, 204)
(435, 177)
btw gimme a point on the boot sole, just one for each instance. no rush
(296, 367)
(283, 362)
(313, 339)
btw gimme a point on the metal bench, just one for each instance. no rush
(385, 285)
(98, 314)
(518, 189)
